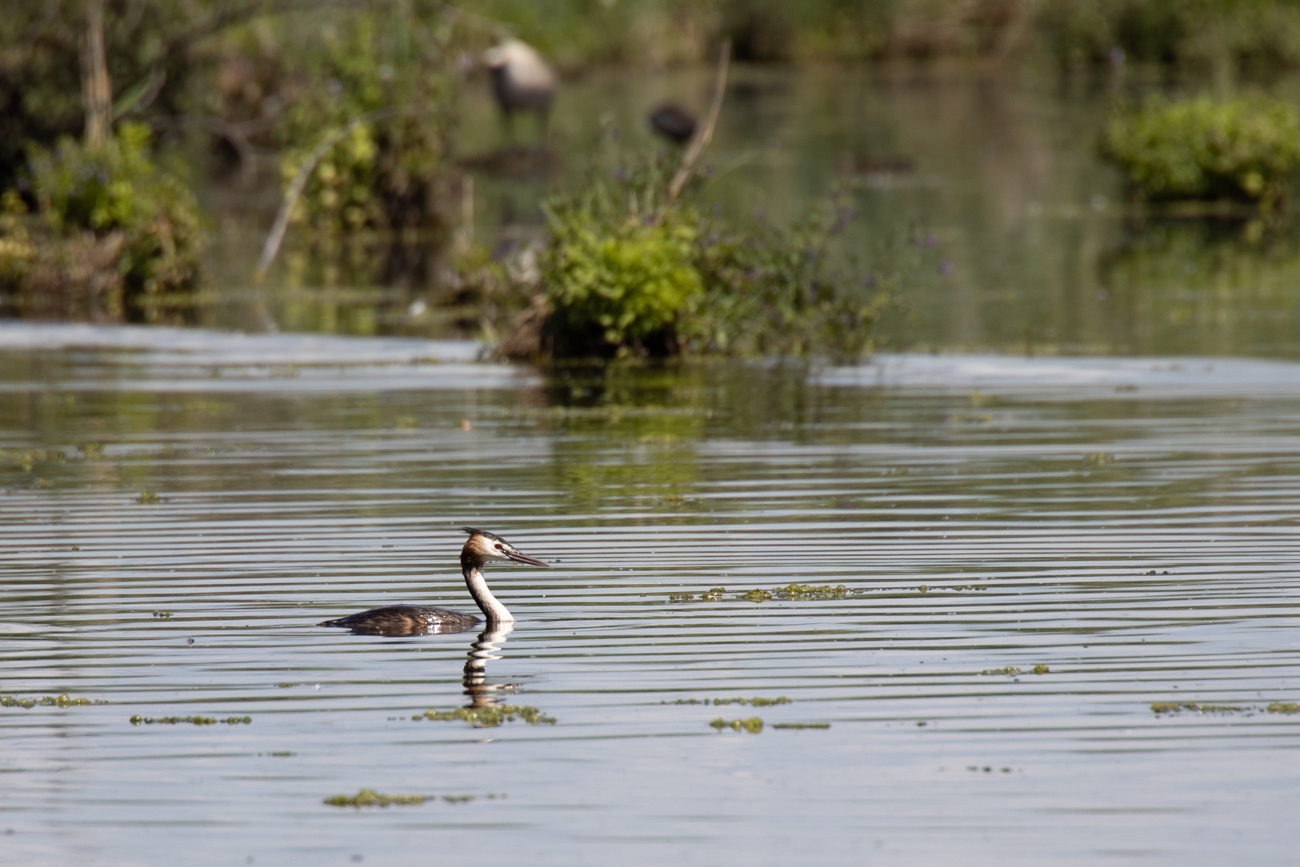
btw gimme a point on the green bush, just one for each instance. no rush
(116, 188)
(1244, 149)
(105, 216)
(626, 280)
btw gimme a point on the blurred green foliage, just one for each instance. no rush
(133, 230)
(1197, 32)
(1245, 148)
(396, 72)
(626, 275)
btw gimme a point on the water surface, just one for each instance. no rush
(1135, 535)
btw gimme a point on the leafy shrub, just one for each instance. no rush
(1243, 149)
(644, 280)
(104, 214)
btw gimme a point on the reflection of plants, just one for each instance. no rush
(1243, 149)
(1188, 286)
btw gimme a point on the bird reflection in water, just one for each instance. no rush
(481, 693)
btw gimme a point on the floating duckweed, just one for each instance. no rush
(46, 701)
(755, 596)
(960, 587)
(713, 594)
(148, 498)
(1284, 707)
(753, 725)
(1010, 670)
(923, 589)
(1161, 707)
(1041, 669)
(192, 720)
(487, 717)
(371, 798)
(754, 702)
(162, 615)
(801, 725)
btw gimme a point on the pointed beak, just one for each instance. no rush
(524, 558)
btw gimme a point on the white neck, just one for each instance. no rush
(491, 607)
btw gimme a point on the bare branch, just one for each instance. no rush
(701, 141)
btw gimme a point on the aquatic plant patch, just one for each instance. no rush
(1244, 149)
(1167, 708)
(753, 725)
(788, 593)
(371, 798)
(192, 720)
(488, 717)
(752, 702)
(1012, 671)
(46, 701)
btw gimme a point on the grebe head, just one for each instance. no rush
(484, 547)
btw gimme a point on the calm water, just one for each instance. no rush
(1131, 525)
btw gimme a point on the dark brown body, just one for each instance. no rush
(405, 620)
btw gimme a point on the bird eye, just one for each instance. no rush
(498, 546)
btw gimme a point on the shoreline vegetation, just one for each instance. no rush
(109, 111)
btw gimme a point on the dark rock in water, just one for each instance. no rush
(673, 122)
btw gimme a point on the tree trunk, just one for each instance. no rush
(96, 88)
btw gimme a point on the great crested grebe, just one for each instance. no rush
(480, 549)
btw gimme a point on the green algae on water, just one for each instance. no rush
(788, 593)
(371, 798)
(1163, 707)
(46, 701)
(753, 725)
(1287, 707)
(162, 615)
(487, 717)
(713, 594)
(753, 702)
(1008, 670)
(192, 720)
(816, 725)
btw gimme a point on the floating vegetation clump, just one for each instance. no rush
(192, 720)
(1008, 670)
(487, 717)
(149, 498)
(820, 725)
(371, 798)
(788, 593)
(1041, 669)
(753, 725)
(713, 594)
(46, 701)
(162, 615)
(961, 587)
(1161, 708)
(752, 702)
